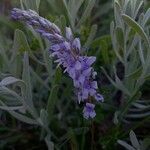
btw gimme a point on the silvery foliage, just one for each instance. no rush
(130, 38)
(71, 8)
(16, 95)
(131, 44)
(135, 143)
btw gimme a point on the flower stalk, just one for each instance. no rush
(67, 52)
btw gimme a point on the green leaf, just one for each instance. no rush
(138, 9)
(116, 115)
(141, 53)
(141, 106)
(20, 42)
(72, 23)
(38, 4)
(138, 116)
(91, 36)
(39, 79)
(10, 107)
(53, 97)
(49, 143)
(126, 145)
(118, 12)
(118, 84)
(44, 117)
(121, 86)
(56, 6)
(104, 50)
(137, 28)
(134, 140)
(125, 6)
(9, 80)
(23, 118)
(76, 9)
(135, 75)
(27, 90)
(5, 21)
(27, 80)
(97, 41)
(19, 116)
(146, 17)
(4, 57)
(87, 12)
(113, 38)
(120, 36)
(72, 137)
(49, 64)
(6, 91)
(31, 4)
(134, 42)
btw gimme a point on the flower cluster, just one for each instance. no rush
(67, 51)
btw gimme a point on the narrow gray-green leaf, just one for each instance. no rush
(9, 80)
(11, 108)
(134, 140)
(121, 86)
(140, 50)
(138, 9)
(19, 116)
(27, 90)
(49, 143)
(138, 116)
(44, 117)
(140, 106)
(115, 119)
(21, 40)
(126, 145)
(87, 12)
(72, 23)
(120, 36)
(32, 4)
(23, 118)
(7, 91)
(3, 106)
(91, 36)
(135, 74)
(38, 79)
(146, 17)
(137, 28)
(113, 38)
(118, 84)
(27, 80)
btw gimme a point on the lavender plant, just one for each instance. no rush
(68, 53)
(47, 68)
(130, 39)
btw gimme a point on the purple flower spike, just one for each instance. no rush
(88, 111)
(67, 52)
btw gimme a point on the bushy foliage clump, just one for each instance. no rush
(104, 49)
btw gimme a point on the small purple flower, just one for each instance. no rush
(99, 97)
(76, 44)
(88, 111)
